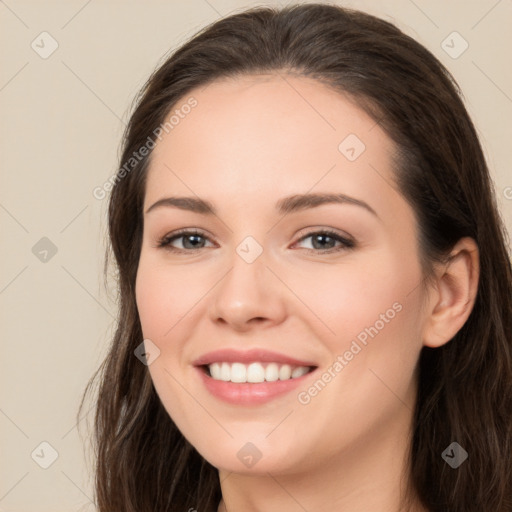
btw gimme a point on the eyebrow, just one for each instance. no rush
(284, 206)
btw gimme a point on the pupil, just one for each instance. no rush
(190, 237)
(321, 237)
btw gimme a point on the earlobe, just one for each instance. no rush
(454, 296)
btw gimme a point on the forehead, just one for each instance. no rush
(251, 109)
(262, 134)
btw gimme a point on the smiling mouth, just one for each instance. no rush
(255, 372)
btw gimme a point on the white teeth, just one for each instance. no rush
(255, 372)
(285, 372)
(225, 372)
(215, 371)
(272, 372)
(299, 372)
(238, 372)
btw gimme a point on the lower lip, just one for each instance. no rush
(246, 393)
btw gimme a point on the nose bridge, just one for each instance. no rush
(246, 291)
(245, 281)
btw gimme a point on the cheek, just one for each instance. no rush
(376, 323)
(164, 299)
(352, 296)
(164, 296)
(370, 316)
(375, 319)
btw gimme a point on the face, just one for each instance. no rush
(288, 329)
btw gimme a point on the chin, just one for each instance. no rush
(249, 457)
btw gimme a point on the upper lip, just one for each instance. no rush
(248, 356)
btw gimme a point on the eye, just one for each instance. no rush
(325, 241)
(191, 239)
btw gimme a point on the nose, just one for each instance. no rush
(248, 295)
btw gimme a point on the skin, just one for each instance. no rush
(249, 142)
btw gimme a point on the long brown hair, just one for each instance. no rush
(143, 462)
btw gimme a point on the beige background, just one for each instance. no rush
(61, 123)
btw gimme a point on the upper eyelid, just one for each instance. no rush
(303, 233)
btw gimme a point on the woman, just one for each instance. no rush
(315, 289)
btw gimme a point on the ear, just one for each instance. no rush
(454, 294)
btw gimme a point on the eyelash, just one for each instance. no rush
(347, 244)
